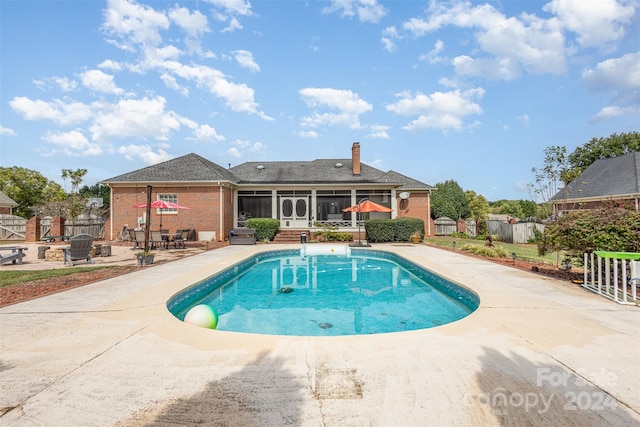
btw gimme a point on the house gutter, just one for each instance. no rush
(221, 238)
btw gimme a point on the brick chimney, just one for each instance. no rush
(355, 158)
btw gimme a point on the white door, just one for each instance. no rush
(294, 212)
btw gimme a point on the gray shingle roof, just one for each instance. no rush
(191, 167)
(604, 178)
(6, 200)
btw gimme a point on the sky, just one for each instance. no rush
(436, 90)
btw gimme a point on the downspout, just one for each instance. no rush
(221, 238)
(429, 213)
(111, 213)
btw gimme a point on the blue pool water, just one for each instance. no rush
(368, 292)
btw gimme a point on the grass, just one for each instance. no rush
(528, 252)
(9, 278)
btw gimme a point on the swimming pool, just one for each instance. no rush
(286, 292)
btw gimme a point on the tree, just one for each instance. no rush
(29, 189)
(600, 148)
(507, 207)
(478, 204)
(449, 200)
(98, 191)
(75, 203)
(549, 178)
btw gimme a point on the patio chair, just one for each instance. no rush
(178, 240)
(157, 241)
(138, 239)
(80, 249)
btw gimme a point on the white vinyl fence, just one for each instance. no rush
(614, 275)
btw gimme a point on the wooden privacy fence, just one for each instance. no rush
(12, 228)
(93, 226)
(520, 232)
(445, 226)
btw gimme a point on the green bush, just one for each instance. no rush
(380, 230)
(393, 230)
(608, 229)
(406, 227)
(491, 252)
(460, 235)
(266, 228)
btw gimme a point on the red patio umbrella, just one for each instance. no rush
(161, 204)
(365, 205)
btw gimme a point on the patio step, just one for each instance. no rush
(289, 236)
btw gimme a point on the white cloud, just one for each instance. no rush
(194, 24)
(144, 153)
(378, 132)
(135, 118)
(4, 131)
(389, 37)
(234, 152)
(245, 59)
(432, 56)
(235, 7)
(207, 133)
(612, 111)
(65, 84)
(133, 23)
(72, 143)
(621, 77)
(58, 111)
(440, 110)
(615, 74)
(109, 64)
(530, 42)
(343, 100)
(239, 97)
(365, 10)
(99, 81)
(597, 23)
(348, 104)
(307, 134)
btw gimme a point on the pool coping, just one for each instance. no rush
(110, 353)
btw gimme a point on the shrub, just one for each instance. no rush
(393, 230)
(608, 229)
(266, 228)
(380, 230)
(491, 252)
(460, 235)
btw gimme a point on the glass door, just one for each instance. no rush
(294, 212)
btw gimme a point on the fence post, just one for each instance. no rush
(33, 230)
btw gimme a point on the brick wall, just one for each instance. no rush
(203, 213)
(418, 205)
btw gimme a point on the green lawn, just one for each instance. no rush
(16, 277)
(527, 252)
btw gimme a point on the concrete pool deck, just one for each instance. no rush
(536, 352)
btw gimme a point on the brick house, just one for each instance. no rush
(611, 180)
(298, 193)
(6, 204)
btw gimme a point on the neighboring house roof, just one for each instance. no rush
(614, 176)
(193, 167)
(189, 168)
(6, 201)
